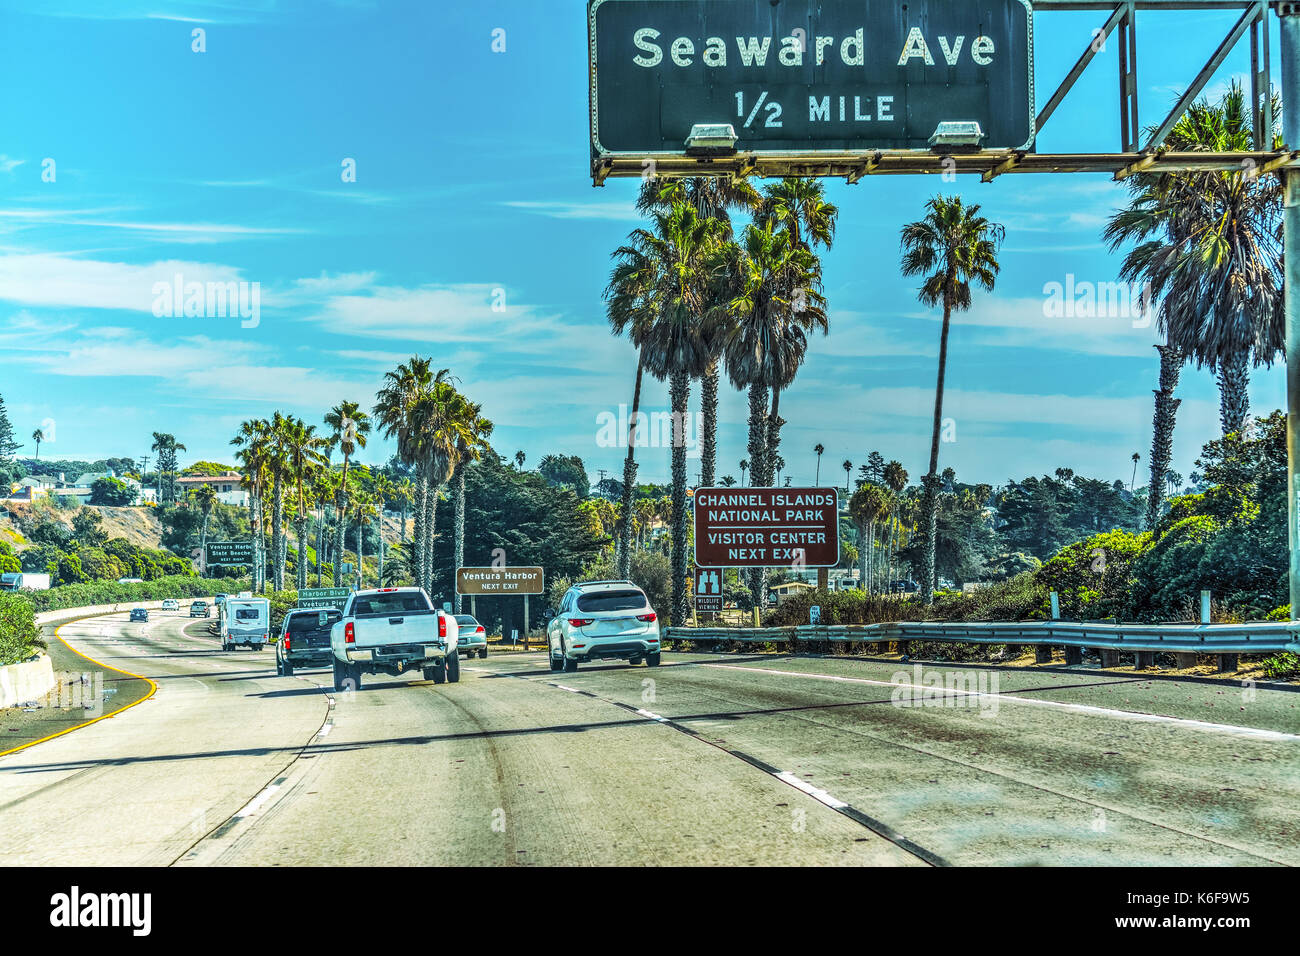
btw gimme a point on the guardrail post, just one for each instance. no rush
(1109, 657)
(1073, 655)
(1042, 653)
(1227, 663)
(1185, 659)
(1144, 659)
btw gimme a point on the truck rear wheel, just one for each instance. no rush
(342, 674)
(453, 667)
(437, 673)
(286, 669)
(652, 659)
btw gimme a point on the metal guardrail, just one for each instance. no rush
(1266, 638)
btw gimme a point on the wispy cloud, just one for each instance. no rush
(608, 210)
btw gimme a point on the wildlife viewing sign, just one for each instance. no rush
(809, 75)
(767, 527)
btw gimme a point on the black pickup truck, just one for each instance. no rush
(304, 640)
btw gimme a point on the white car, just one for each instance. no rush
(171, 604)
(603, 620)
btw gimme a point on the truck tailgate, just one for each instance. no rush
(409, 627)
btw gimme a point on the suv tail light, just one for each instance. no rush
(580, 621)
(442, 625)
(286, 640)
(349, 634)
(646, 617)
(479, 630)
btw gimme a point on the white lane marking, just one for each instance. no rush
(571, 690)
(821, 796)
(256, 803)
(324, 731)
(652, 716)
(1029, 701)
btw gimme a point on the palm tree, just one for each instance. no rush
(869, 504)
(205, 496)
(744, 467)
(38, 436)
(819, 449)
(677, 345)
(253, 442)
(471, 443)
(896, 482)
(384, 490)
(951, 247)
(727, 481)
(713, 198)
(1133, 480)
(349, 427)
(520, 458)
(630, 304)
(403, 493)
(848, 468)
(305, 452)
(324, 490)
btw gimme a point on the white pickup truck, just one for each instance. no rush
(391, 631)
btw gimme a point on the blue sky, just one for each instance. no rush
(472, 177)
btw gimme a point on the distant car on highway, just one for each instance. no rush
(220, 599)
(391, 631)
(304, 639)
(473, 636)
(139, 614)
(199, 609)
(603, 620)
(171, 604)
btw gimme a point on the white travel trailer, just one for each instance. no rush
(244, 621)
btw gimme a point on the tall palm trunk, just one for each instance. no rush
(203, 543)
(277, 531)
(862, 557)
(930, 483)
(1162, 427)
(430, 525)
(302, 552)
(379, 533)
(680, 389)
(261, 543)
(709, 400)
(361, 568)
(420, 514)
(320, 545)
(1234, 397)
(757, 454)
(459, 479)
(774, 424)
(629, 481)
(340, 510)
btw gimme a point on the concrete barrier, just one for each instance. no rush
(32, 680)
(28, 681)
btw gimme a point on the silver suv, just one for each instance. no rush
(603, 620)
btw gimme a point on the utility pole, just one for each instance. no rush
(1289, 15)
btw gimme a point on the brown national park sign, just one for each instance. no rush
(767, 527)
(499, 581)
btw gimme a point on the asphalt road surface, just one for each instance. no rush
(708, 759)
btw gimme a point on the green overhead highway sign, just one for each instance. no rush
(311, 598)
(229, 553)
(808, 75)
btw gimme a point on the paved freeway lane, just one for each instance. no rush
(144, 786)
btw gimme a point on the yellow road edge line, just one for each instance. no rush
(153, 688)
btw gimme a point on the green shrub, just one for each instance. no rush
(110, 592)
(19, 637)
(1284, 666)
(1021, 598)
(842, 607)
(1094, 577)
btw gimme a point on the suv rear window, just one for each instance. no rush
(301, 623)
(612, 601)
(380, 605)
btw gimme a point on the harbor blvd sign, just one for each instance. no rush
(767, 528)
(499, 581)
